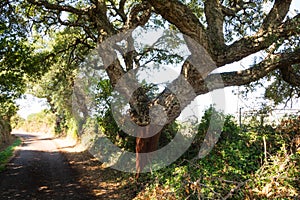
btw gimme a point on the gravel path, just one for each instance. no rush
(40, 171)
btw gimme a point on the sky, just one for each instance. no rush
(227, 101)
(29, 104)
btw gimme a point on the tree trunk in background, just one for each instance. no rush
(5, 130)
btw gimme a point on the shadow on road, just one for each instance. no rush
(44, 170)
(40, 174)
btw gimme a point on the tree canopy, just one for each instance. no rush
(228, 31)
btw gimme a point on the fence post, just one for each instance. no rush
(240, 117)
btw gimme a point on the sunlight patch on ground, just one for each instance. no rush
(69, 145)
(40, 141)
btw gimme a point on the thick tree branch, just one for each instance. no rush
(290, 76)
(277, 61)
(215, 20)
(58, 7)
(97, 15)
(139, 15)
(276, 15)
(115, 72)
(182, 17)
(262, 40)
(202, 85)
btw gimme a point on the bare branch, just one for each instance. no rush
(239, 185)
(71, 48)
(120, 10)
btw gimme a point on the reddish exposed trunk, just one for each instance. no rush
(145, 145)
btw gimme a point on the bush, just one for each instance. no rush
(17, 121)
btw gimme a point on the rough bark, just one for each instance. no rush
(290, 75)
(215, 21)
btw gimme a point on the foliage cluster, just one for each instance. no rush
(260, 162)
(57, 81)
(18, 62)
(105, 119)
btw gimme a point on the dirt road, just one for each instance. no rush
(40, 171)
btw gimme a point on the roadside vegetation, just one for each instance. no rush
(255, 161)
(7, 153)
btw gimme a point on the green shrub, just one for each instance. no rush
(17, 121)
(72, 130)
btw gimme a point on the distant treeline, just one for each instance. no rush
(37, 122)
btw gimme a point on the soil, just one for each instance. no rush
(104, 183)
(50, 168)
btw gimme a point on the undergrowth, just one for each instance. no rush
(6, 154)
(256, 162)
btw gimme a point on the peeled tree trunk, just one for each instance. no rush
(144, 146)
